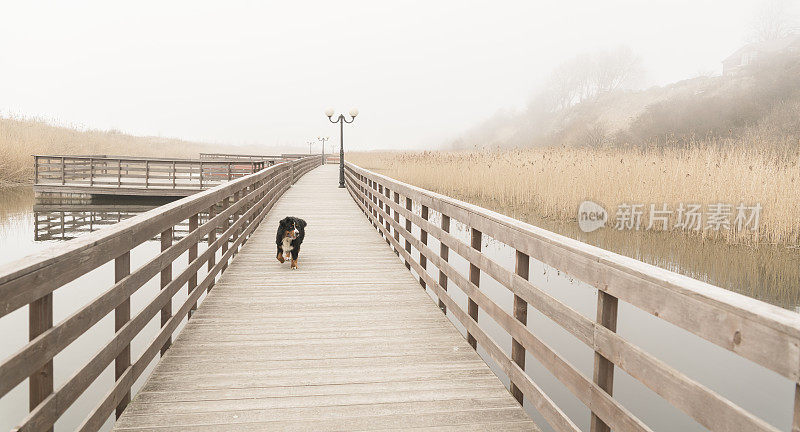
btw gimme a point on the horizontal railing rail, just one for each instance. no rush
(224, 217)
(233, 156)
(762, 333)
(139, 172)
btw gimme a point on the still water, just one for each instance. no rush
(27, 227)
(768, 274)
(756, 389)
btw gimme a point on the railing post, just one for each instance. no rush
(174, 174)
(408, 228)
(475, 278)
(225, 225)
(166, 277)
(192, 284)
(35, 169)
(444, 253)
(212, 237)
(91, 172)
(201, 174)
(378, 217)
(63, 171)
(380, 192)
(40, 319)
(603, 368)
(397, 220)
(229, 171)
(235, 235)
(387, 194)
(119, 172)
(423, 237)
(521, 268)
(146, 174)
(122, 314)
(246, 194)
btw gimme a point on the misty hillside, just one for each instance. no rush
(763, 100)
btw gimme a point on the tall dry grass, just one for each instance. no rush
(550, 182)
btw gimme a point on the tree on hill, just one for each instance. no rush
(774, 20)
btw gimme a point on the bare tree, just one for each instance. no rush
(616, 70)
(774, 20)
(586, 76)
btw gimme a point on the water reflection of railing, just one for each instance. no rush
(236, 208)
(764, 334)
(54, 222)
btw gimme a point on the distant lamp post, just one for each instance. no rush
(323, 139)
(310, 143)
(341, 120)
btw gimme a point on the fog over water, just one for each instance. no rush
(262, 73)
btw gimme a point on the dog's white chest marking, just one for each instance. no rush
(287, 245)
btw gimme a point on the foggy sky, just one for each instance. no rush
(420, 72)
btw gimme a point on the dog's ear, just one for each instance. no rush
(285, 221)
(303, 223)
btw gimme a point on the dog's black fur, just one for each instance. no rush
(286, 227)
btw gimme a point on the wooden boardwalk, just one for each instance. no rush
(349, 341)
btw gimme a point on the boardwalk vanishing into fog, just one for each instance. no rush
(347, 342)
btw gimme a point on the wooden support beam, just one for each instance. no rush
(192, 284)
(225, 224)
(166, 277)
(475, 278)
(122, 314)
(521, 268)
(423, 237)
(444, 252)
(212, 237)
(40, 319)
(603, 368)
(408, 228)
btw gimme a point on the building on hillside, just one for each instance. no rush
(751, 53)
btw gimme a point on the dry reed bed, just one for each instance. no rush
(551, 182)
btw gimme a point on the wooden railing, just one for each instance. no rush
(231, 212)
(762, 333)
(268, 159)
(137, 172)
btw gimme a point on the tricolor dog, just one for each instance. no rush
(291, 231)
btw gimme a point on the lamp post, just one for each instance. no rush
(341, 120)
(323, 139)
(310, 143)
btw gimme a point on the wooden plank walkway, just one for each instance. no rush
(350, 341)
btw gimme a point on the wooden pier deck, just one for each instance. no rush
(347, 342)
